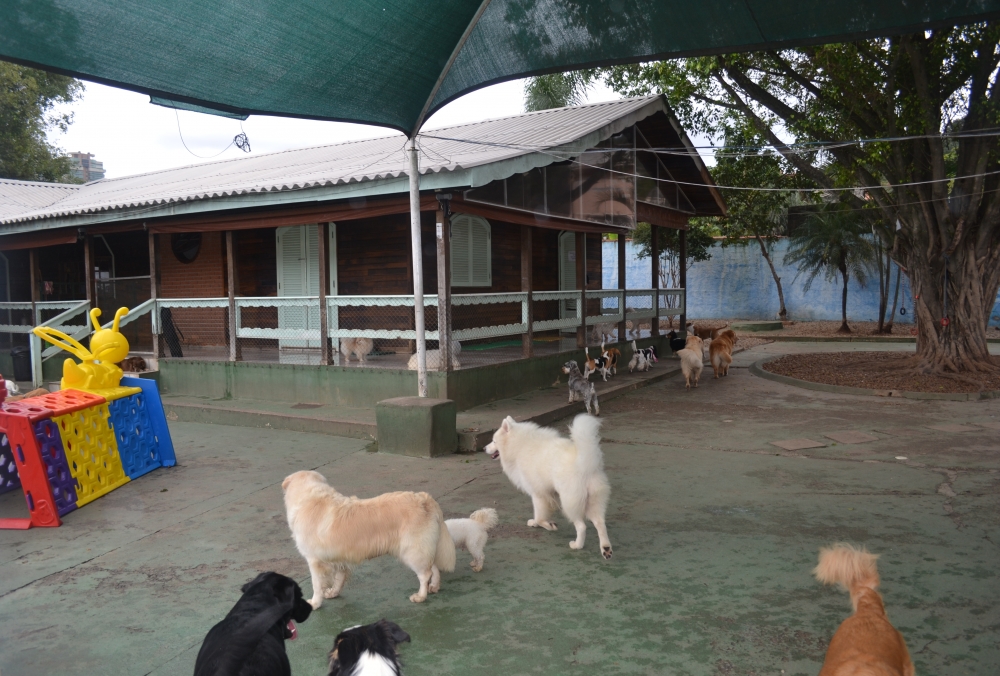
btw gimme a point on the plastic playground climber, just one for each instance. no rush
(98, 432)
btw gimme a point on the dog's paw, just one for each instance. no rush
(606, 552)
(548, 525)
(330, 593)
(477, 566)
(418, 597)
(315, 603)
(434, 588)
(573, 545)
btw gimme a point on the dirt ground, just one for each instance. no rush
(819, 329)
(715, 531)
(877, 371)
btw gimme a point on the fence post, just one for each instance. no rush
(88, 270)
(622, 331)
(443, 240)
(654, 237)
(682, 278)
(581, 283)
(231, 282)
(527, 281)
(154, 293)
(325, 353)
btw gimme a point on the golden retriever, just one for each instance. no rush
(866, 642)
(334, 532)
(720, 352)
(692, 360)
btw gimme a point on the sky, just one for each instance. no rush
(131, 136)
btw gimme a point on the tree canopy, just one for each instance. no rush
(28, 101)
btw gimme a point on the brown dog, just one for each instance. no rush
(866, 642)
(613, 354)
(720, 352)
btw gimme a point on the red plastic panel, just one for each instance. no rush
(64, 401)
(32, 472)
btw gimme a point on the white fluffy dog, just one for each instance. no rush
(558, 472)
(434, 358)
(334, 532)
(359, 347)
(692, 360)
(470, 534)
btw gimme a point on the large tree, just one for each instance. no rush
(926, 107)
(28, 111)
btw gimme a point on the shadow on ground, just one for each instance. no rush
(715, 532)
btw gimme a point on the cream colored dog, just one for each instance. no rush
(471, 533)
(359, 347)
(334, 532)
(692, 360)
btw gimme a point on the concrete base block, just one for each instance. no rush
(417, 426)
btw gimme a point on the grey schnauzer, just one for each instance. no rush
(580, 389)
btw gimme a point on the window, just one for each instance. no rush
(471, 260)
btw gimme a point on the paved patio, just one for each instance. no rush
(715, 531)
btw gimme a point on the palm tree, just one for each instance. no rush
(833, 241)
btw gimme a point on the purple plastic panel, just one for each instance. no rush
(54, 456)
(8, 469)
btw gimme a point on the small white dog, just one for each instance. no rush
(692, 360)
(558, 472)
(638, 360)
(471, 534)
(359, 347)
(434, 358)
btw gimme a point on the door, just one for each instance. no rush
(567, 272)
(298, 275)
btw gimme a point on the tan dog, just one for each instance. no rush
(692, 360)
(359, 347)
(865, 643)
(334, 532)
(720, 352)
(613, 354)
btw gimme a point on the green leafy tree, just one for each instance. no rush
(928, 105)
(557, 90)
(833, 241)
(28, 101)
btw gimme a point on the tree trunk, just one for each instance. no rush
(883, 286)
(959, 344)
(844, 328)
(782, 313)
(895, 297)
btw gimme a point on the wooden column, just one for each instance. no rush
(231, 283)
(442, 238)
(88, 270)
(581, 284)
(154, 291)
(622, 331)
(33, 275)
(682, 276)
(527, 281)
(325, 348)
(654, 238)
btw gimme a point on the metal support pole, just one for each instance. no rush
(682, 276)
(231, 282)
(88, 270)
(154, 292)
(654, 238)
(443, 239)
(581, 283)
(34, 342)
(325, 352)
(621, 285)
(418, 266)
(527, 281)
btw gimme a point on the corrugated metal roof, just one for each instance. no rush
(449, 150)
(18, 197)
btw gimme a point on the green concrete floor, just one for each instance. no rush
(715, 532)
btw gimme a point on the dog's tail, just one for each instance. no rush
(487, 516)
(444, 557)
(853, 568)
(585, 434)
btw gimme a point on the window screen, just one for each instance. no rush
(471, 260)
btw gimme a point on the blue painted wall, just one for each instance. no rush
(736, 283)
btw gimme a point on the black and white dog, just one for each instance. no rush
(250, 641)
(580, 389)
(650, 354)
(368, 650)
(600, 364)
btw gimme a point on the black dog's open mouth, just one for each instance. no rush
(293, 633)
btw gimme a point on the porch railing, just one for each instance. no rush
(278, 329)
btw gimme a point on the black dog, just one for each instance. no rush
(250, 641)
(370, 649)
(677, 344)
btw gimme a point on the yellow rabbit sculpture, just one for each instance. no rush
(98, 369)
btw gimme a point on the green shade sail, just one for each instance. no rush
(394, 62)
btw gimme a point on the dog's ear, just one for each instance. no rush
(505, 426)
(257, 580)
(393, 631)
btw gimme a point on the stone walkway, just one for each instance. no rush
(715, 532)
